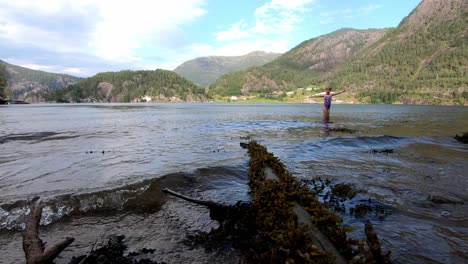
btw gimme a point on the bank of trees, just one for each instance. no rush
(3, 82)
(127, 85)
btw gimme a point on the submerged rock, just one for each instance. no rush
(463, 138)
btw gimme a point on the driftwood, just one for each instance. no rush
(303, 217)
(33, 247)
(218, 211)
(209, 204)
(296, 227)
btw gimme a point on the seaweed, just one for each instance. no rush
(113, 253)
(283, 239)
(344, 190)
(385, 151)
(361, 210)
(342, 130)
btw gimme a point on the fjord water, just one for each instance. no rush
(100, 167)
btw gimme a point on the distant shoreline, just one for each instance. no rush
(221, 102)
(10, 102)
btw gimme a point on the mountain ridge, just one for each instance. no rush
(422, 61)
(205, 70)
(300, 66)
(22, 81)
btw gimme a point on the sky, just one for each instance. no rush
(84, 37)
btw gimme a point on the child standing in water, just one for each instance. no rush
(327, 99)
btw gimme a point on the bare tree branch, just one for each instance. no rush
(32, 244)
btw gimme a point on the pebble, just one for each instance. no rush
(445, 213)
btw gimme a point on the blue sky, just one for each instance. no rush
(84, 37)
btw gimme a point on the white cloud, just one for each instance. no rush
(275, 17)
(110, 29)
(48, 68)
(72, 71)
(327, 20)
(329, 17)
(237, 31)
(128, 26)
(37, 67)
(289, 4)
(369, 8)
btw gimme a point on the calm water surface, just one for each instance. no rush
(103, 159)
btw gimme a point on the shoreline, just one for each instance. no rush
(221, 102)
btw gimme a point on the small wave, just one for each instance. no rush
(141, 197)
(36, 137)
(366, 141)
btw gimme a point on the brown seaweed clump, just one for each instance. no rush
(344, 190)
(282, 239)
(113, 253)
(342, 130)
(463, 138)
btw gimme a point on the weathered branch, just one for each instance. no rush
(33, 246)
(218, 211)
(193, 200)
(303, 217)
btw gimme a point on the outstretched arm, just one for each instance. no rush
(339, 93)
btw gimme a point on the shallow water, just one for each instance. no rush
(100, 166)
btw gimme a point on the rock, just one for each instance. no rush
(445, 213)
(444, 199)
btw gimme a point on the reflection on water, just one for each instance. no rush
(95, 162)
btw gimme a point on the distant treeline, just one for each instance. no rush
(124, 86)
(3, 82)
(429, 65)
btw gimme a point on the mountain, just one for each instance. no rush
(127, 86)
(3, 83)
(22, 81)
(422, 61)
(205, 70)
(301, 66)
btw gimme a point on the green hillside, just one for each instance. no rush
(23, 81)
(299, 67)
(127, 86)
(205, 70)
(423, 61)
(3, 82)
